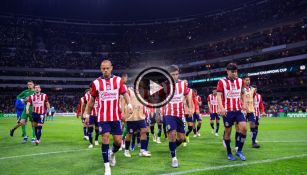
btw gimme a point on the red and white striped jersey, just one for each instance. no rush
(87, 97)
(212, 102)
(196, 100)
(176, 106)
(231, 90)
(107, 91)
(258, 104)
(38, 102)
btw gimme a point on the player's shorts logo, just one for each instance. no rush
(226, 124)
(100, 129)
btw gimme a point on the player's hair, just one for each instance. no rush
(30, 81)
(232, 66)
(37, 85)
(90, 85)
(86, 90)
(106, 61)
(173, 68)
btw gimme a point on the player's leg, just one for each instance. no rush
(171, 132)
(128, 137)
(18, 124)
(164, 128)
(256, 127)
(104, 131)
(143, 130)
(159, 132)
(199, 123)
(117, 132)
(236, 136)
(217, 125)
(152, 128)
(189, 120)
(228, 122)
(240, 119)
(96, 132)
(180, 122)
(38, 124)
(138, 138)
(252, 124)
(212, 118)
(90, 130)
(85, 137)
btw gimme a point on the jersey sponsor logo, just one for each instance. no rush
(38, 103)
(176, 99)
(233, 94)
(109, 95)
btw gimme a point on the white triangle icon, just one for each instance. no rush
(154, 87)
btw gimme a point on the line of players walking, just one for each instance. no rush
(113, 109)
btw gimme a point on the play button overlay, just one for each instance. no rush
(154, 87)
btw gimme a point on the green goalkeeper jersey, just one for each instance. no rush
(25, 94)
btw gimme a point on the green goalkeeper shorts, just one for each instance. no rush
(25, 116)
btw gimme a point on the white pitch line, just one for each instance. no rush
(39, 154)
(272, 141)
(236, 165)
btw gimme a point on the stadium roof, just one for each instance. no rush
(116, 10)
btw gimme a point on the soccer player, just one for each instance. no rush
(79, 114)
(136, 121)
(107, 89)
(212, 104)
(124, 111)
(188, 118)
(39, 102)
(92, 120)
(229, 91)
(52, 111)
(248, 106)
(19, 105)
(174, 114)
(23, 96)
(196, 115)
(259, 111)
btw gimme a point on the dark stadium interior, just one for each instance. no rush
(62, 51)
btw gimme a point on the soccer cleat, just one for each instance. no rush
(216, 134)
(90, 146)
(85, 138)
(158, 140)
(184, 144)
(255, 145)
(33, 140)
(107, 169)
(145, 154)
(25, 139)
(194, 135)
(12, 132)
(240, 155)
(127, 153)
(37, 142)
(212, 132)
(112, 158)
(256, 141)
(187, 139)
(96, 143)
(198, 134)
(230, 157)
(174, 162)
